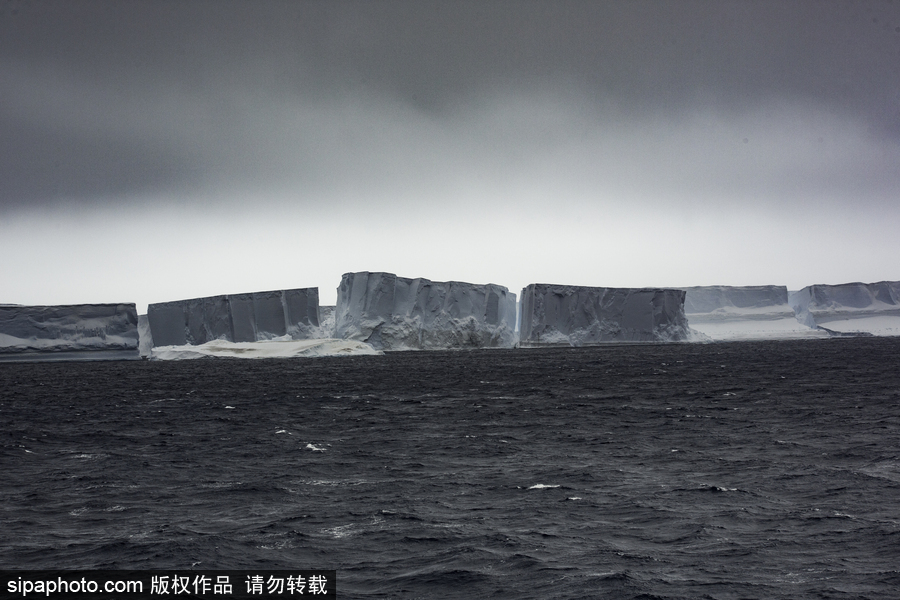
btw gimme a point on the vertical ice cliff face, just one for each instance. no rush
(581, 316)
(249, 317)
(68, 332)
(395, 313)
(872, 308)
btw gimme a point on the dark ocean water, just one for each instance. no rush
(732, 470)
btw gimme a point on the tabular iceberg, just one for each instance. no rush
(582, 316)
(250, 317)
(745, 312)
(68, 332)
(850, 308)
(396, 313)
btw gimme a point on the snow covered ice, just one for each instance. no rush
(581, 316)
(396, 313)
(326, 321)
(257, 316)
(279, 348)
(849, 308)
(68, 332)
(744, 313)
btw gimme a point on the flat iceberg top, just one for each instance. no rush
(265, 349)
(238, 295)
(383, 275)
(562, 288)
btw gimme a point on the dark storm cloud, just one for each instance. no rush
(102, 100)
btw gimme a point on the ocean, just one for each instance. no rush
(654, 471)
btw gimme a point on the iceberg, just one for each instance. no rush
(744, 313)
(850, 308)
(396, 313)
(68, 332)
(583, 316)
(251, 317)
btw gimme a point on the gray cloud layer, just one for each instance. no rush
(103, 101)
(202, 147)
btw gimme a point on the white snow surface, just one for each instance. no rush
(397, 313)
(582, 316)
(68, 332)
(248, 317)
(278, 348)
(866, 308)
(744, 313)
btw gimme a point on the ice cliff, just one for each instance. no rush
(582, 316)
(396, 313)
(68, 332)
(848, 308)
(743, 312)
(250, 317)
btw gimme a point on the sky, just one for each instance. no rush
(168, 149)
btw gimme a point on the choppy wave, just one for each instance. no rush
(755, 469)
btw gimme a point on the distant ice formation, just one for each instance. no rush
(722, 302)
(326, 321)
(744, 312)
(68, 332)
(850, 308)
(265, 349)
(396, 313)
(145, 338)
(582, 316)
(290, 314)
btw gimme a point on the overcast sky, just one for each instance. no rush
(161, 150)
